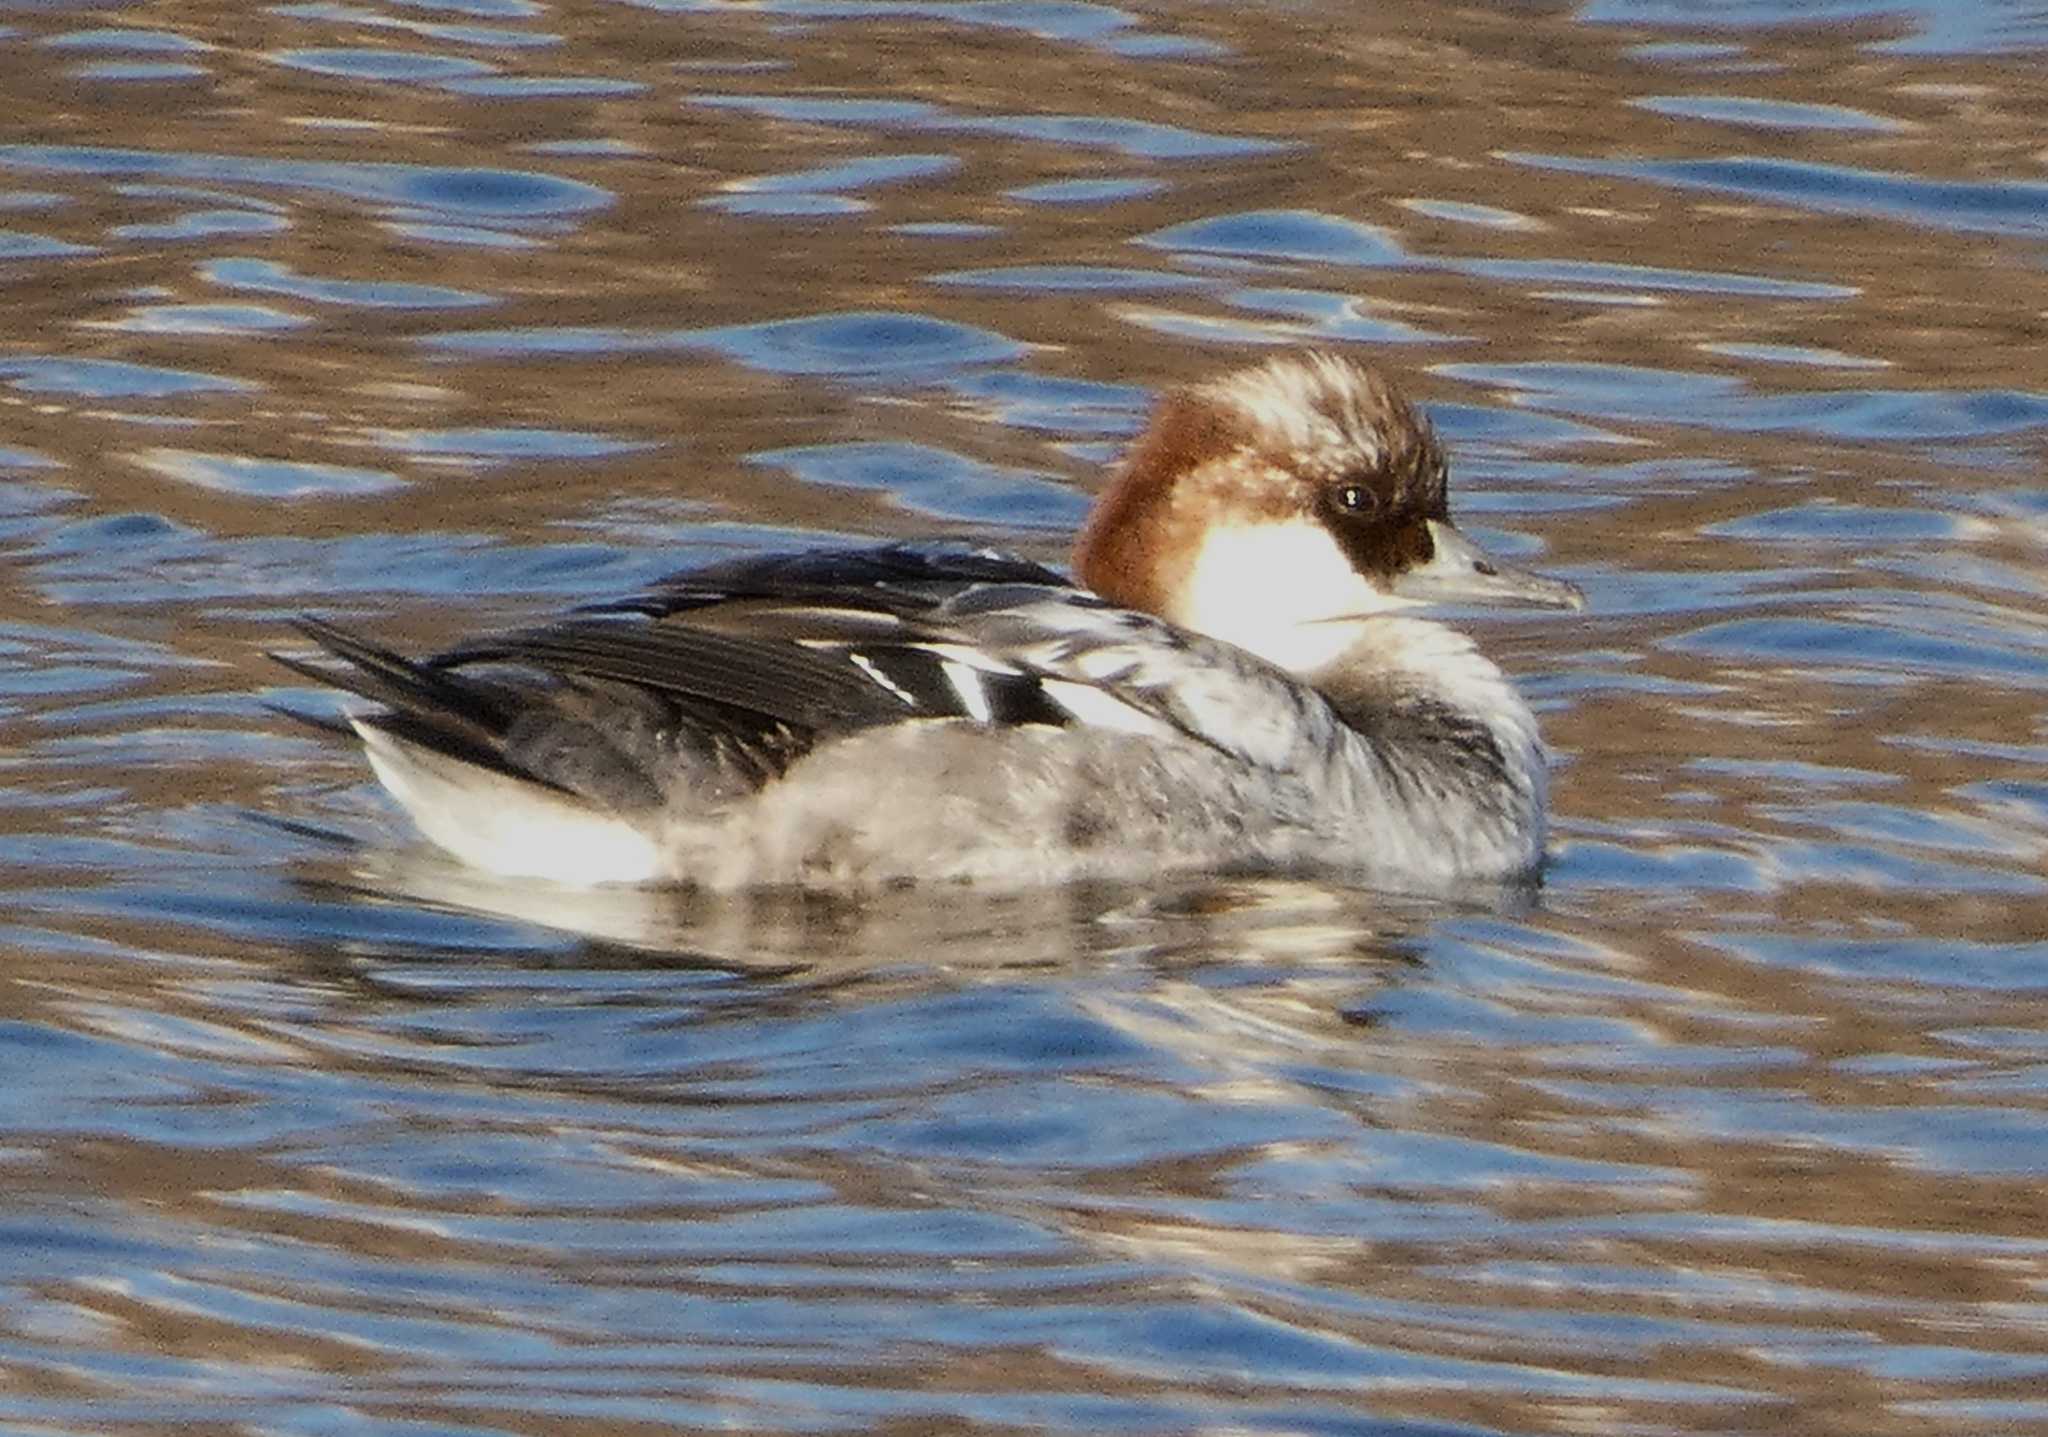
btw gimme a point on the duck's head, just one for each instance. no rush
(1278, 505)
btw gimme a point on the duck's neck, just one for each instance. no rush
(1452, 737)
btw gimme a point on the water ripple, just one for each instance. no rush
(204, 225)
(139, 71)
(262, 478)
(400, 65)
(1648, 277)
(1143, 139)
(2014, 207)
(876, 342)
(1737, 1121)
(1086, 192)
(1936, 28)
(267, 277)
(112, 378)
(137, 42)
(1284, 234)
(494, 37)
(16, 244)
(935, 482)
(220, 319)
(820, 191)
(1765, 114)
(1721, 402)
(542, 87)
(494, 193)
(1055, 277)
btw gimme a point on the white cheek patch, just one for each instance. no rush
(1275, 589)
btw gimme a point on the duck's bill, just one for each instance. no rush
(1460, 572)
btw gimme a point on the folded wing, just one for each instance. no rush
(713, 682)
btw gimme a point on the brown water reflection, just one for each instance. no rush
(445, 315)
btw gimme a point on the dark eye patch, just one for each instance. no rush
(1374, 541)
(1380, 514)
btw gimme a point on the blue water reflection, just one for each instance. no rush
(440, 317)
(111, 378)
(1934, 27)
(1765, 114)
(1143, 139)
(876, 343)
(483, 192)
(1284, 234)
(380, 64)
(266, 277)
(934, 482)
(1673, 396)
(137, 42)
(2016, 206)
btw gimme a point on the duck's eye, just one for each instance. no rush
(1354, 498)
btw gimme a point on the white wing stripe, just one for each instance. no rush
(966, 682)
(1098, 708)
(868, 666)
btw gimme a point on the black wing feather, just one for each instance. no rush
(774, 678)
(474, 710)
(932, 687)
(890, 578)
(728, 672)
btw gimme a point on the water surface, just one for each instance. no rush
(441, 316)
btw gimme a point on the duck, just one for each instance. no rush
(1246, 672)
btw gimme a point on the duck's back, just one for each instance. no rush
(838, 716)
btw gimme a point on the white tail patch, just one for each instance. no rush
(506, 825)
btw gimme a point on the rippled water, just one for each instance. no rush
(441, 315)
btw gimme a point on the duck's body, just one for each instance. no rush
(1230, 689)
